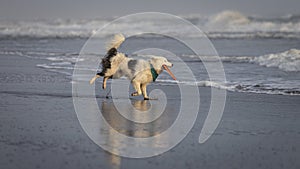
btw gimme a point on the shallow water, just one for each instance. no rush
(269, 66)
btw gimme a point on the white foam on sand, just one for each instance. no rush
(249, 88)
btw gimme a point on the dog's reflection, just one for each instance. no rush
(142, 105)
(127, 127)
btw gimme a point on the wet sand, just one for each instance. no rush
(39, 127)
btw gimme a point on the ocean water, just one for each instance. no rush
(260, 55)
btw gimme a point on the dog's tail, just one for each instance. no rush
(110, 63)
(115, 42)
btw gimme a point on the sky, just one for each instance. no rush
(32, 9)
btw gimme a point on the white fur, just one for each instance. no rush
(115, 42)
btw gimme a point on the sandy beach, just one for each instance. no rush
(39, 127)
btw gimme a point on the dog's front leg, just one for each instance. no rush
(104, 82)
(137, 86)
(144, 91)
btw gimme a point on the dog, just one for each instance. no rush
(140, 72)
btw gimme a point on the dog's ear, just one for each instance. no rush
(154, 59)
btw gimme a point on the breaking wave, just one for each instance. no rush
(226, 24)
(287, 61)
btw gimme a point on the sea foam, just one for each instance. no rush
(288, 60)
(226, 24)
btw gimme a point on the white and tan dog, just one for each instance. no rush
(139, 72)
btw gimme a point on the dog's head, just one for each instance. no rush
(159, 63)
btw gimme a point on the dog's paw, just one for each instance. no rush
(147, 98)
(134, 94)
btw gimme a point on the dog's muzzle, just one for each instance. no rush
(169, 71)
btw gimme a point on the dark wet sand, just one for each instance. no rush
(39, 127)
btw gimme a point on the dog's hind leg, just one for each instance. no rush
(137, 86)
(93, 79)
(104, 82)
(144, 91)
